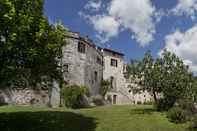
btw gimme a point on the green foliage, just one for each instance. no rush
(149, 103)
(105, 85)
(139, 102)
(164, 104)
(74, 96)
(187, 105)
(177, 115)
(166, 75)
(193, 125)
(98, 100)
(29, 45)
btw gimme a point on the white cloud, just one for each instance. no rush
(186, 7)
(93, 5)
(136, 16)
(106, 26)
(184, 45)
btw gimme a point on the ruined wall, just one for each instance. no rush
(138, 97)
(24, 97)
(28, 96)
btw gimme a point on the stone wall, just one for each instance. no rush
(82, 67)
(122, 88)
(140, 96)
(24, 97)
(27, 96)
(119, 91)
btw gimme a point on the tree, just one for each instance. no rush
(61, 32)
(104, 87)
(177, 78)
(145, 74)
(166, 76)
(30, 48)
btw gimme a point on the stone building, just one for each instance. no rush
(114, 68)
(82, 63)
(122, 90)
(86, 64)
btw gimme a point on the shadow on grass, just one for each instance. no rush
(143, 111)
(46, 121)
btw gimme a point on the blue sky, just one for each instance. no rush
(175, 26)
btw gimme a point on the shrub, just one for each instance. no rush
(2, 101)
(187, 105)
(164, 104)
(104, 87)
(139, 102)
(193, 126)
(109, 99)
(177, 115)
(98, 100)
(74, 96)
(148, 103)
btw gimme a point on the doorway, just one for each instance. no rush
(114, 99)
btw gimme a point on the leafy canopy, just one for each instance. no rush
(29, 45)
(167, 77)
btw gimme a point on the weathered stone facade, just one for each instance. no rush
(114, 72)
(82, 63)
(121, 88)
(24, 97)
(139, 96)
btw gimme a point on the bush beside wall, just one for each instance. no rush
(73, 96)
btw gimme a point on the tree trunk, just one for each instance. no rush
(155, 97)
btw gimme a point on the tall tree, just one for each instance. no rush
(29, 45)
(166, 76)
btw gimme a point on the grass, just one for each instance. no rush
(110, 118)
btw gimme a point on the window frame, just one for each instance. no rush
(114, 64)
(81, 47)
(66, 68)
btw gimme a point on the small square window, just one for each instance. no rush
(98, 60)
(114, 62)
(65, 68)
(81, 47)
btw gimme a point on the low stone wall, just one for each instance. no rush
(24, 97)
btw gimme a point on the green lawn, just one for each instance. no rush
(112, 118)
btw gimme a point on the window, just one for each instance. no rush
(81, 47)
(111, 81)
(65, 68)
(114, 62)
(95, 76)
(98, 60)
